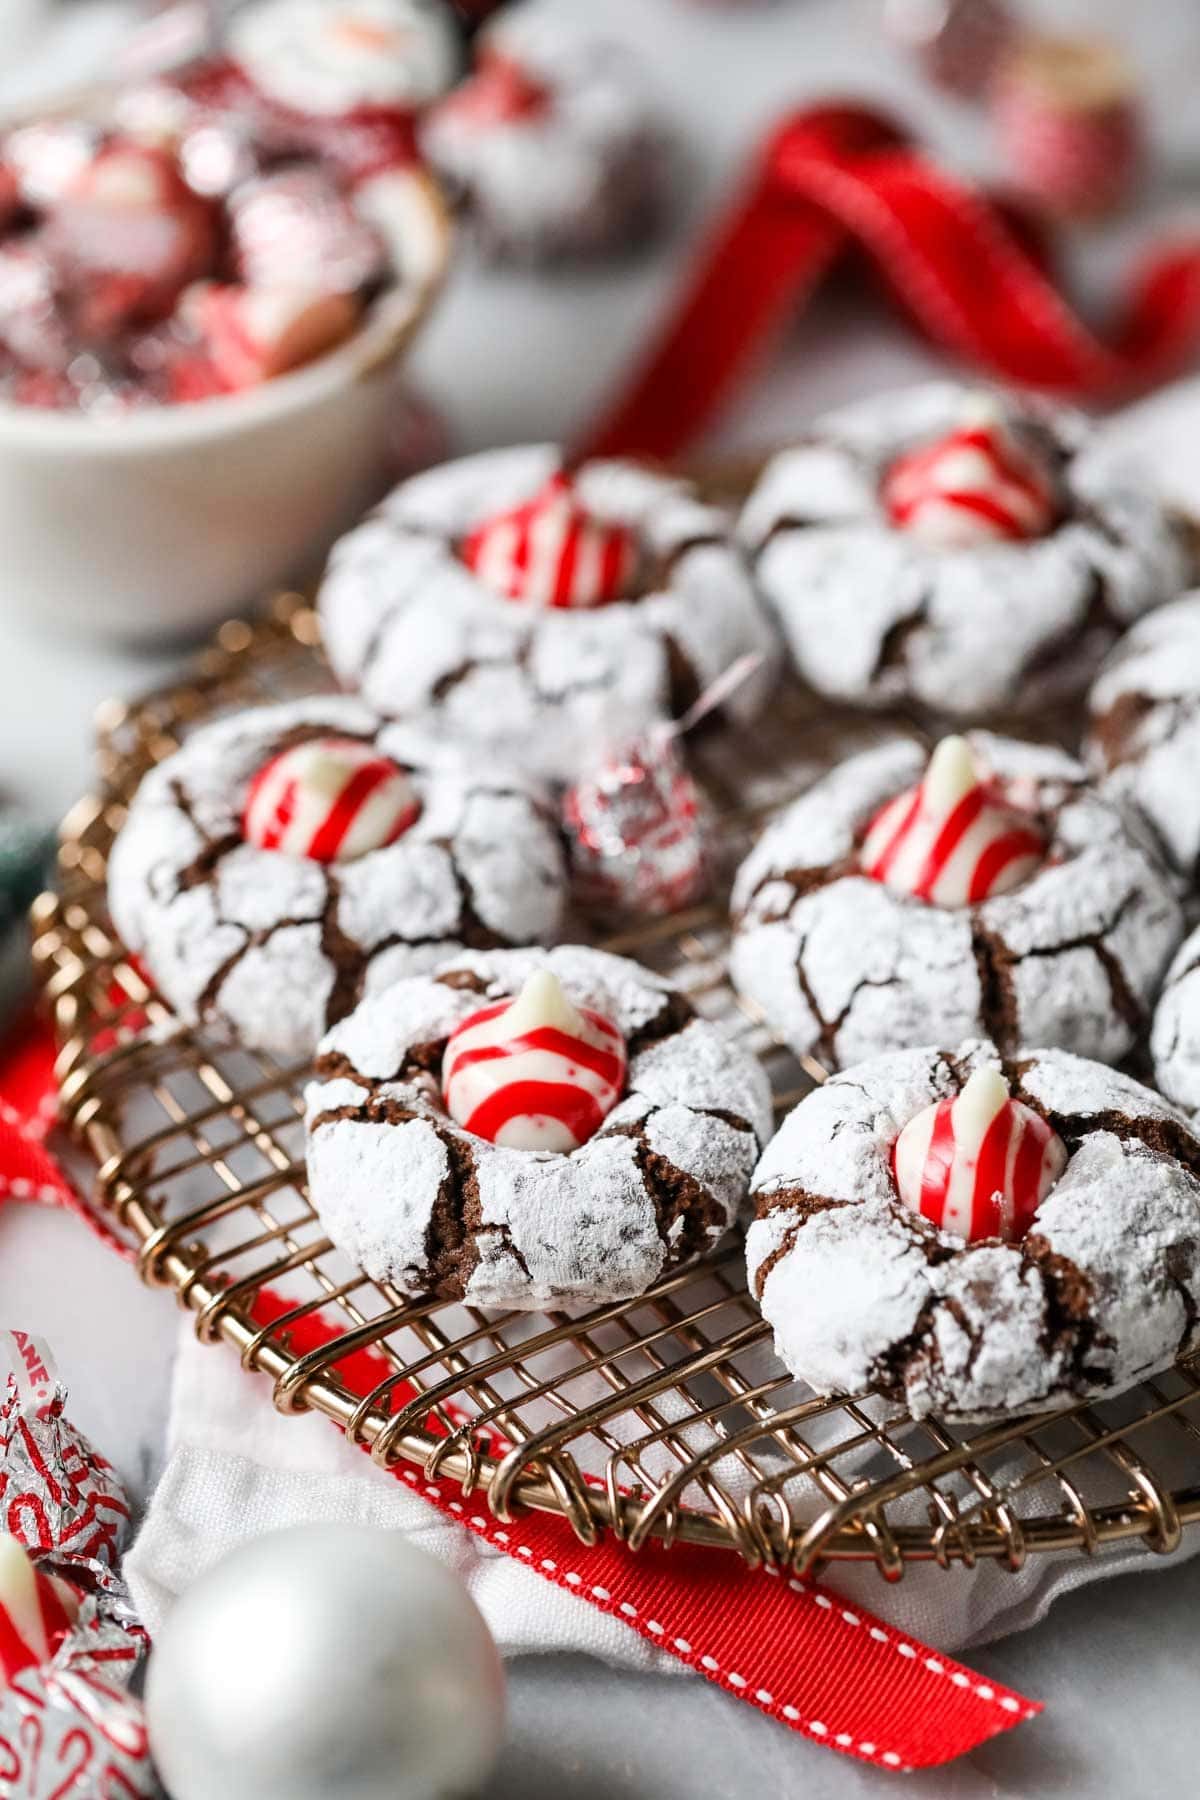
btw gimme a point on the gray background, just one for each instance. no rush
(1116, 1665)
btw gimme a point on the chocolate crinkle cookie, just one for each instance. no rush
(1144, 732)
(521, 1128)
(1175, 1039)
(292, 858)
(553, 146)
(984, 889)
(975, 1235)
(959, 550)
(543, 614)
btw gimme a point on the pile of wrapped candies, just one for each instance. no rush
(217, 228)
(123, 283)
(70, 1642)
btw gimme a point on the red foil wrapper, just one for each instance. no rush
(637, 830)
(1067, 116)
(57, 1494)
(957, 42)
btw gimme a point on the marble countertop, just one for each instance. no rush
(1115, 1665)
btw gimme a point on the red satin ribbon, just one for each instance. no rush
(842, 176)
(796, 1651)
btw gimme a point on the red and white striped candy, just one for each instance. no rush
(251, 334)
(35, 1611)
(330, 799)
(978, 1166)
(552, 552)
(972, 486)
(951, 840)
(534, 1073)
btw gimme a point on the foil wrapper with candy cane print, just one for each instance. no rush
(70, 1640)
(639, 830)
(58, 1495)
(70, 1731)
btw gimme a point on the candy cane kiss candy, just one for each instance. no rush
(551, 551)
(980, 1165)
(973, 486)
(330, 799)
(534, 1073)
(35, 1611)
(951, 840)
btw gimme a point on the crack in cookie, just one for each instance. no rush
(1144, 731)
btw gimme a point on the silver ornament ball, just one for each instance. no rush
(320, 1661)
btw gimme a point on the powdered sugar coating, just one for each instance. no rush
(585, 174)
(1175, 1039)
(1144, 736)
(873, 616)
(409, 625)
(844, 968)
(270, 949)
(417, 1201)
(860, 1292)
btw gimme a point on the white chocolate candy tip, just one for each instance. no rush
(542, 1003)
(950, 776)
(18, 1590)
(986, 1091)
(980, 407)
(14, 1561)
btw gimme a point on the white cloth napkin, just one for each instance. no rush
(236, 1468)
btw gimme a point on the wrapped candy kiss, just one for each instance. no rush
(638, 827)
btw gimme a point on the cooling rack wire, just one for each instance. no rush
(664, 1418)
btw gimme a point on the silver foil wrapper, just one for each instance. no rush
(638, 830)
(57, 1493)
(69, 1731)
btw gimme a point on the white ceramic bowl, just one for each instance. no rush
(153, 524)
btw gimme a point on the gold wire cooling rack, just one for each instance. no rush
(663, 1418)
